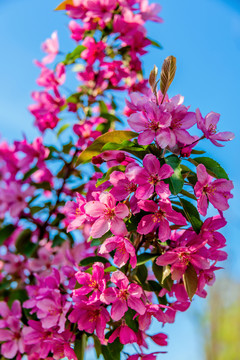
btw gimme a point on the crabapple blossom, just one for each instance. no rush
(217, 192)
(208, 126)
(149, 178)
(125, 296)
(162, 214)
(109, 216)
(124, 250)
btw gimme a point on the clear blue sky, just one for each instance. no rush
(203, 35)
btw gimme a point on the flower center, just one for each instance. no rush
(153, 179)
(109, 213)
(212, 129)
(158, 216)
(123, 294)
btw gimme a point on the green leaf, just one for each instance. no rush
(74, 55)
(158, 271)
(17, 294)
(155, 43)
(197, 152)
(95, 148)
(6, 232)
(80, 346)
(143, 258)
(62, 128)
(190, 281)
(212, 166)
(176, 181)
(142, 273)
(133, 324)
(154, 286)
(110, 117)
(106, 176)
(110, 269)
(97, 346)
(29, 173)
(188, 194)
(167, 281)
(35, 209)
(24, 245)
(167, 74)
(92, 259)
(192, 215)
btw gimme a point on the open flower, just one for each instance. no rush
(150, 178)
(208, 125)
(217, 192)
(109, 216)
(162, 214)
(125, 296)
(124, 250)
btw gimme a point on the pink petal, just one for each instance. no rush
(202, 174)
(127, 335)
(121, 211)
(94, 208)
(118, 227)
(136, 304)
(151, 164)
(146, 137)
(144, 191)
(138, 122)
(99, 228)
(146, 225)
(118, 310)
(167, 258)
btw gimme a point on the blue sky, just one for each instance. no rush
(203, 35)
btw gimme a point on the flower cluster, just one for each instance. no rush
(94, 258)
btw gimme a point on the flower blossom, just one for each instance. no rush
(208, 125)
(162, 213)
(109, 216)
(217, 191)
(149, 178)
(90, 317)
(124, 250)
(95, 283)
(75, 212)
(180, 257)
(125, 334)
(125, 296)
(51, 47)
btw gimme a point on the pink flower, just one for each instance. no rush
(109, 216)
(125, 334)
(160, 339)
(51, 47)
(123, 186)
(94, 50)
(52, 311)
(155, 310)
(90, 317)
(209, 128)
(125, 296)
(95, 283)
(124, 250)
(150, 124)
(77, 31)
(75, 212)
(209, 233)
(180, 257)
(101, 10)
(217, 192)
(150, 178)
(162, 213)
(149, 12)
(11, 336)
